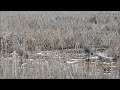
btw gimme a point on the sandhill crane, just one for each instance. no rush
(19, 48)
(87, 49)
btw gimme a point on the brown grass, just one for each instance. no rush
(53, 32)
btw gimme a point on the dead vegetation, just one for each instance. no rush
(44, 38)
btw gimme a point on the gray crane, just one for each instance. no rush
(18, 48)
(88, 50)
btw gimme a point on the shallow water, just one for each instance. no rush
(58, 65)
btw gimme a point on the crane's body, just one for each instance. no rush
(87, 49)
(19, 48)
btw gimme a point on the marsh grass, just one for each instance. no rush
(56, 68)
(45, 37)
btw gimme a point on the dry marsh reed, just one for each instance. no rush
(46, 44)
